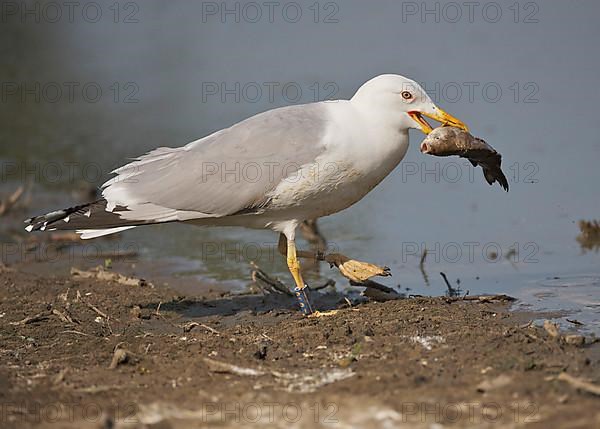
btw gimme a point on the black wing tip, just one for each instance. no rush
(31, 219)
(33, 224)
(42, 222)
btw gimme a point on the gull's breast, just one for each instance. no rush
(342, 176)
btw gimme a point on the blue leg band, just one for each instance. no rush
(302, 297)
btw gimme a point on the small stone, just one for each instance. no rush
(345, 362)
(494, 383)
(575, 340)
(136, 312)
(119, 357)
(261, 353)
(551, 328)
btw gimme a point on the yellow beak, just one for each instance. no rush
(444, 118)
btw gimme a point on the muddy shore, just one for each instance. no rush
(101, 353)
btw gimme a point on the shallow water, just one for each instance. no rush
(529, 88)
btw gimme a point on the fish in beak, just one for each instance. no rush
(438, 115)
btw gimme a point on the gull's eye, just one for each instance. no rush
(406, 95)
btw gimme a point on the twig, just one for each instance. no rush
(62, 316)
(100, 273)
(377, 295)
(452, 292)
(377, 291)
(446, 280)
(267, 337)
(208, 328)
(99, 389)
(373, 285)
(273, 285)
(32, 319)
(481, 298)
(191, 325)
(422, 267)
(93, 307)
(72, 331)
(187, 327)
(224, 367)
(579, 383)
(6, 205)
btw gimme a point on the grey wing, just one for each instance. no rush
(228, 172)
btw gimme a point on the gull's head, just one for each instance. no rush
(402, 101)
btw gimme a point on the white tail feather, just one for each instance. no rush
(93, 233)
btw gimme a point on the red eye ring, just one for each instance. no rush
(406, 95)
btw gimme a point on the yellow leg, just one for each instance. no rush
(288, 247)
(294, 265)
(300, 290)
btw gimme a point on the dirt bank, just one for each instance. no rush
(87, 352)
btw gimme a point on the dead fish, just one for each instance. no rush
(449, 141)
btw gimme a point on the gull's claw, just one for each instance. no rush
(356, 271)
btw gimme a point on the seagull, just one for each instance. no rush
(272, 171)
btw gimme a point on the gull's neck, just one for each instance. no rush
(376, 116)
